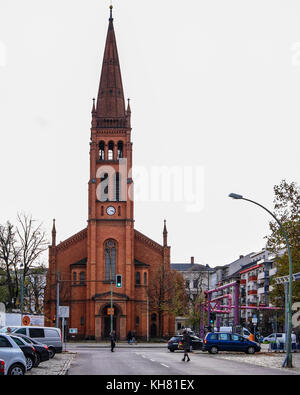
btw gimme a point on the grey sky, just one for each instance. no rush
(214, 84)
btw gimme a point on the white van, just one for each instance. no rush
(245, 332)
(279, 337)
(47, 335)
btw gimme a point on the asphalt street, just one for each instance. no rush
(157, 361)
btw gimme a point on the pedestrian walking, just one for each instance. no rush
(186, 345)
(113, 339)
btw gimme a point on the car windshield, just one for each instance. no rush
(5, 328)
(17, 340)
(176, 338)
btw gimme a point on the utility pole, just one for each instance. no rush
(21, 290)
(57, 300)
(108, 251)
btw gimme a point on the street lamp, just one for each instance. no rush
(21, 289)
(288, 360)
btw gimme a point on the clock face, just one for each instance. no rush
(110, 210)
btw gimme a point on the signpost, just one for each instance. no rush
(63, 312)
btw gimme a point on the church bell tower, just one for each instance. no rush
(110, 202)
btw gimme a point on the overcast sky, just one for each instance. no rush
(214, 88)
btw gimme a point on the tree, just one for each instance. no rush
(32, 240)
(9, 260)
(35, 286)
(196, 296)
(166, 294)
(23, 245)
(287, 210)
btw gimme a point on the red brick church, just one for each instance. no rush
(109, 245)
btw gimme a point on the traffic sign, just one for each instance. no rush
(109, 311)
(26, 320)
(64, 311)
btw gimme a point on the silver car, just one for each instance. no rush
(12, 355)
(47, 335)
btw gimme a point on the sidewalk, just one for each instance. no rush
(263, 358)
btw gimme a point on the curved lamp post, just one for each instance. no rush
(288, 361)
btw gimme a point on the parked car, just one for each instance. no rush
(28, 350)
(42, 350)
(47, 335)
(12, 355)
(173, 343)
(223, 341)
(279, 337)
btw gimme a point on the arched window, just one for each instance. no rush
(117, 187)
(101, 150)
(120, 150)
(138, 278)
(110, 249)
(111, 150)
(153, 317)
(104, 188)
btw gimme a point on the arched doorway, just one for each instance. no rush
(106, 322)
(153, 330)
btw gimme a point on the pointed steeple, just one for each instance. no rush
(53, 234)
(110, 102)
(165, 234)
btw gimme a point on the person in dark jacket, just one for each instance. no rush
(186, 345)
(129, 337)
(113, 339)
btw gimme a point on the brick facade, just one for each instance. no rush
(109, 243)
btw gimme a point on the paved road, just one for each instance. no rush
(156, 361)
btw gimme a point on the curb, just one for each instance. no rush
(65, 369)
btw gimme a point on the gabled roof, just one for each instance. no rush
(182, 267)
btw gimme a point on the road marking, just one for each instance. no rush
(153, 360)
(164, 365)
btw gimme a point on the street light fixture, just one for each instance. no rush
(288, 361)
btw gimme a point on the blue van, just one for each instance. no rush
(223, 341)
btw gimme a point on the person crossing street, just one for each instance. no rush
(186, 345)
(113, 339)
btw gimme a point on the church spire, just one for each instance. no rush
(165, 234)
(53, 234)
(110, 102)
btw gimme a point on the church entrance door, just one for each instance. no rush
(107, 326)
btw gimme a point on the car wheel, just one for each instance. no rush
(251, 350)
(213, 350)
(29, 363)
(16, 370)
(171, 350)
(51, 352)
